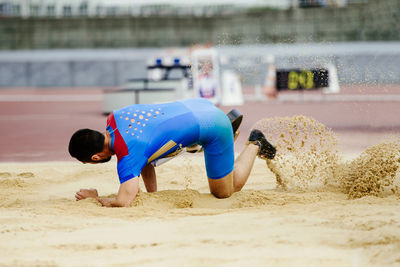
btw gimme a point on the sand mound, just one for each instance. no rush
(375, 172)
(193, 199)
(167, 199)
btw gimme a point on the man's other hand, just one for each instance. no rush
(85, 193)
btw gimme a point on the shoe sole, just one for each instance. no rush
(267, 150)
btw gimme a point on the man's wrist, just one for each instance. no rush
(103, 201)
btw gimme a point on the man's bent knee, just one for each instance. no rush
(221, 188)
(222, 194)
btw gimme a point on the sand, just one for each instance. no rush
(310, 206)
(182, 224)
(307, 159)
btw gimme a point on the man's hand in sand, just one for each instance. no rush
(85, 193)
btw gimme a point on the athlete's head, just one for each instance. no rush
(86, 145)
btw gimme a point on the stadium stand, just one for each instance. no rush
(95, 8)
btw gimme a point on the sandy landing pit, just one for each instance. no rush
(41, 224)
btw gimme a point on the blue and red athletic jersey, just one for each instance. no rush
(139, 132)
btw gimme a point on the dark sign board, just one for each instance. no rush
(298, 79)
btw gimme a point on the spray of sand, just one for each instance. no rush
(306, 152)
(307, 159)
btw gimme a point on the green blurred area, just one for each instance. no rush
(367, 21)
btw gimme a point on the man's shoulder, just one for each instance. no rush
(111, 120)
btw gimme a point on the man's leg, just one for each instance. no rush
(257, 145)
(235, 117)
(234, 181)
(149, 178)
(243, 166)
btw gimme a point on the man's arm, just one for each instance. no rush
(149, 178)
(126, 194)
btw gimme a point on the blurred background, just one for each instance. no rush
(66, 63)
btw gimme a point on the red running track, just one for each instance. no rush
(37, 124)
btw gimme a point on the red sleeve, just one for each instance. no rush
(119, 146)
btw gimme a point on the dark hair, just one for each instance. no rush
(85, 143)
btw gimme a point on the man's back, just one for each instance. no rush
(143, 133)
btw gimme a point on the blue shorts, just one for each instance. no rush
(216, 137)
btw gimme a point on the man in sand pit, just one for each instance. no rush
(139, 135)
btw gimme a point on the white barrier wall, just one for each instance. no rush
(356, 63)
